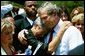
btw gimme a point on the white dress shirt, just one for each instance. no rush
(22, 12)
(37, 21)
(71, 39)
(30, 21)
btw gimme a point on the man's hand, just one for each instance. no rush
(21, 36)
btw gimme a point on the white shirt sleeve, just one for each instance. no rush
(5, 9)
(71, 39)
(75, 39)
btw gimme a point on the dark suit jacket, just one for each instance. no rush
(20, 24)
(32, 40)
(77, 51)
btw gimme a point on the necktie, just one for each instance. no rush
(51, 35)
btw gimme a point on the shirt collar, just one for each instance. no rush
(57, 27)
(30, 21)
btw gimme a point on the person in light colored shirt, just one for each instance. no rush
(49, 14)
(5, 9)
(76, 11)
(78, 22)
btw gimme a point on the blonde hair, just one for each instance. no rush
(79, 17)
(6, 26)
(79, 9)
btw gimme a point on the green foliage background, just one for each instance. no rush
(69, 4)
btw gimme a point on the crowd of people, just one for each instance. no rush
(44, 30)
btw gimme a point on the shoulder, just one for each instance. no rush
(72, 30)
(79, 50)
(19, 22)
(18, 17)
(74, 37)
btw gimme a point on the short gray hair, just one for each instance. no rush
(49, 7)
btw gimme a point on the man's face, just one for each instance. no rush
(31, 7)
(49, 21)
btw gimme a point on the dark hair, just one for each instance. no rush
(65, 10)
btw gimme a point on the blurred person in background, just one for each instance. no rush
(78, 22)
(5, 9)
(10, 19)
(65, 16)
(76, 11)
(7, 30)
(9, 10)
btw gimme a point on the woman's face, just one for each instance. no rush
(80, 26)
(76, 12)
(64, 17)
(6, 36)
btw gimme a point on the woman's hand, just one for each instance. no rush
(65, 25)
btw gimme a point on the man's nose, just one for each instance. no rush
(33, 7)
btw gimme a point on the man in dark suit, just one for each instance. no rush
(30, 8)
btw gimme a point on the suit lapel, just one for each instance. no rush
(26, 24)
